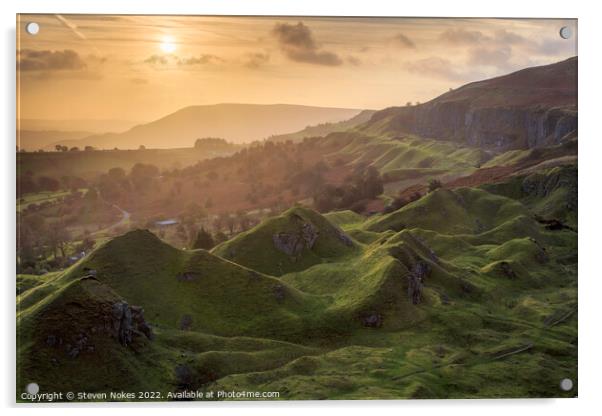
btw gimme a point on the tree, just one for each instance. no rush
(74, 149)
(244, 221)
(91, 195)
(46, 183)
(143, 175)
(204, 240)
(142, 147)
(89, 148)
(434, 184)
(57, 238)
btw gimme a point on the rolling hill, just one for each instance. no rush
(529, 108)
(295, 302)
(236, 123)
(468, 290)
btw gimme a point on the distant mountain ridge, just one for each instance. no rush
(529, 108)
(234, 122)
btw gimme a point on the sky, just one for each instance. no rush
(140, 68)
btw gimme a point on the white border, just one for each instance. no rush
(590, 200)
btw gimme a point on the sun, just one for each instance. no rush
(168, 44)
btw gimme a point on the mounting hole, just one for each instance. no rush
(32, 388)
(565, 32)
(32, 28)
(566, 384)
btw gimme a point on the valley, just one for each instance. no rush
(417, 252)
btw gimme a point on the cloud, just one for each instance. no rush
(298, 44)
(47, 60)
(497, 56)
(164, 60)
(436, 67)
(199, 60)
(403, 41)
(462, 37)
(255, 60)
(156, 60)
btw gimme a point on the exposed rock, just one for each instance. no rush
(290, 244)
(186, 322)
(372, 320)
(444, 299)
(530, 108)
(89, 272)
(51, 340)
(127, 321)
(188, 276)
(416, 281)
(344, 238)
(279, 292)
(294, 243)
(184, 377)
(467, 288)
(310, 234)
(507, 270)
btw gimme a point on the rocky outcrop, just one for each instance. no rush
(531, 108)
(128, 321)
(294, 243)
(416, 281)
(88, 316)
(372, 320)
(344, 238)
(279, 292)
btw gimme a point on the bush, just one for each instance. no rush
(434, 184)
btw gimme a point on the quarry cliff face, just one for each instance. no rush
(542, 111)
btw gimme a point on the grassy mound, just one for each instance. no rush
(458, 211)
(312, 239)
(198, 290)
(62, 340)
(550, 193)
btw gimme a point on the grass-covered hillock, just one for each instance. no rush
(458, 211)
(449, 296)
(550, 193)
(293, 241)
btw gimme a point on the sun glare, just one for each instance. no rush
(168, 44)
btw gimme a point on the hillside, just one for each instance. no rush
(529, 108)
(236, 123)
(325, 128)
(460, 296)
(32, 140)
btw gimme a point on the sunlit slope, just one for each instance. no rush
(458, 211)
(295, 240)
(445, 297)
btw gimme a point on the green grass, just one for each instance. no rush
(39, 197)
(255, 248)
(497, 316)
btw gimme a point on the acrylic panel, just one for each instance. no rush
(295, 208)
